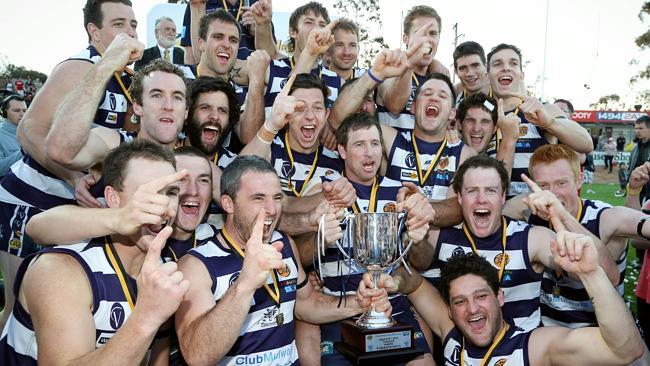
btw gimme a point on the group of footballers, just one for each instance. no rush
(171, 215)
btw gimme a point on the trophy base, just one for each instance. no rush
(365, 346)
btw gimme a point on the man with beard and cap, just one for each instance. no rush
(519, 250)
(245, 293)
(556, 181)
(110, 294)
(36, 183)
(470, 317)
(541, 124)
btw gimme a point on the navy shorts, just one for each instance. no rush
(13, 221)
(331, 334)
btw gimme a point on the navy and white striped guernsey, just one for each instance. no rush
(328, 163)
(191, 74)
(520, 283)
(111, 111)
(341, 277)
(174, 248)
(110, 308)
(511, 350)
(572, 306)
(27, 183)
(261, 341)
(405, 120)
(530, 138)
(403, 164)
(279, 71)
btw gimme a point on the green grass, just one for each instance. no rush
(605, 193)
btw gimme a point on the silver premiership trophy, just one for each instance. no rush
(376, 245)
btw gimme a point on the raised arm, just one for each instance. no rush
(616, 340)
(65, 342)
(147, 207)
(70, 141)
(252, 118)
(509, 127)
(554, 123)
(263, 14)
(199, 315)
(283, 107)
(638, 179)
(388, 64)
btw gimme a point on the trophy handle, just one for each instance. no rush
(321, 244)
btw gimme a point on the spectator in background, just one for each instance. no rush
(623, 176)
(10, 87)
(165, 31)
(13, 109)
(610, 151)
(620, 142)
(18, 87)
(565, 106)
(589, 169)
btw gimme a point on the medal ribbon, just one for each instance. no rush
(225, 7)
(434, 162)
(275, 293)
(495, 343)
(311, 170)
(558, 272)
(372, 203)
(503, 243)
(118, 78)
(174, 253)
(129, 294)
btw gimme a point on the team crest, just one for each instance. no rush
(15, 244)
(500, 257)
(285, 271)
(329, 172)
(523, 130)
(501, 362)
(457, 251)
(409, 160)
(444, 162)
(390, 207)
(283, 83)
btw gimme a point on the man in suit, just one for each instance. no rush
(165, 31)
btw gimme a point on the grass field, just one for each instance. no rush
(605, 193)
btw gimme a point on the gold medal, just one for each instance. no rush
(556, 290)
(279, 318)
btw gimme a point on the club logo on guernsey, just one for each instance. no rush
(500, 257)
(117, 316)
(409, 160)
(390, 207)
(283, 83)
(501, 362)
(523, 131)
(284, 272)
(287, 169)
(268, 320)
(112, 100)
(455, 355)
(444, 162)
(329, 172)
(457, 251)
(233, 278)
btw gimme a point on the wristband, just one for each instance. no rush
(632, 192)
(374, 78)
(639, 228)
(262, 139)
